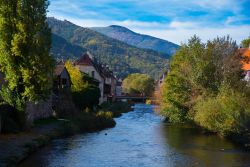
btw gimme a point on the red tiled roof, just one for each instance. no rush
(246, 54)
(84, 60)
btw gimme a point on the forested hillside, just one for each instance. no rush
(70, 41)
(139, 40)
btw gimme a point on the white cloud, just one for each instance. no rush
(182, 35)
(181, 25)
(218, 5)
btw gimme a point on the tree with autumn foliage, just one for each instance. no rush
(84, 92)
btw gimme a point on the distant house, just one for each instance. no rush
(61, 77)
(109, 83)
(119, 88)
(89, 65)
(161, 79)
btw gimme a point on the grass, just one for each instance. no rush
(45, 121)
(117, 108)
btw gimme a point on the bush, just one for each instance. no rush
(11, 119)
(105, 118)
(88, 122)
(88, 97)
(228, 113)
(117, 108)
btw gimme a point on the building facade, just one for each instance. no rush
(89, 65)
(61, 77)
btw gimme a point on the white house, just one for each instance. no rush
(87, 64)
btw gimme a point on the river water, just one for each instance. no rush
(141, 139)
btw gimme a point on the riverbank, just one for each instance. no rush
(141, 138)
(242, 140)
(16, 147)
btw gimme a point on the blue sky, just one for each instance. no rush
(173, 20)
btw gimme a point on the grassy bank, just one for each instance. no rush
(116, 108)
(87, 122)
(16, 147)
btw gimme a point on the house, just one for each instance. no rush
(89, 65)
(161, 79)
(109, 83)
(61, 77)
(119, 88)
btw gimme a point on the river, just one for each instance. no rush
(141, 139)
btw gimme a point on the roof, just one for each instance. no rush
(246, 54)
(59, 69)
(88, 60)
(61, 62)
(85, 60)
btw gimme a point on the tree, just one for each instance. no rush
(24, 50)
(138, 83)
(76, 77)
(85, 93)
(198, 71)
(246, 42)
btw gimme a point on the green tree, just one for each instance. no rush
(246, 42)
(198, 71)
(138, 83)
(226, 113)
(24, 50)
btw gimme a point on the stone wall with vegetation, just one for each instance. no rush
(39, 110)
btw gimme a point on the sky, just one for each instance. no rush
(172, 20)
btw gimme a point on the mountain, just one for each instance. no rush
(71, 41)
(141, 41)
(61, 48)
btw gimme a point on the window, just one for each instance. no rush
(64, 81)
(93, 74)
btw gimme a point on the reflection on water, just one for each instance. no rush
(140, 139)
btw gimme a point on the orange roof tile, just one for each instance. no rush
(246, 65)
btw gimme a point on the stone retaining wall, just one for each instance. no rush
(39, 110)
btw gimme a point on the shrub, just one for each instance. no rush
(105, 119)
(117, 108)
(11, 119)
(227, 113)
(88, 97)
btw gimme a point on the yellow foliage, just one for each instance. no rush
(78, 83)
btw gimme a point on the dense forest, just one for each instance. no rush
(139, 40)
(70, 41)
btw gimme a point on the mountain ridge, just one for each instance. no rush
(139, 40)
